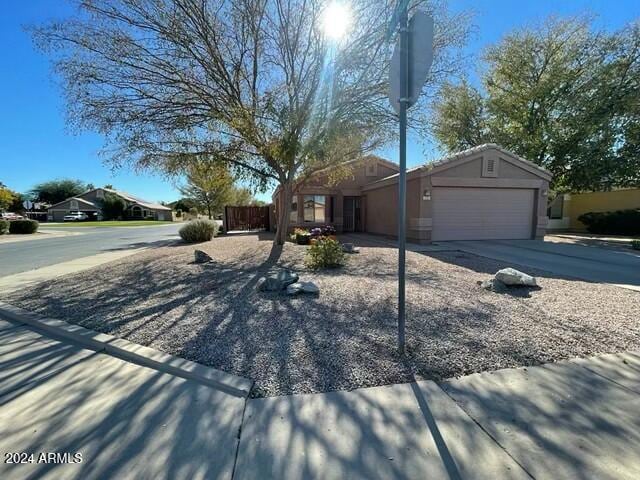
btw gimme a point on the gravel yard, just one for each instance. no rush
(345, 338)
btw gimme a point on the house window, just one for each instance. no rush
(99, 193)
(314, 208)
(293, 215)
(73, 205)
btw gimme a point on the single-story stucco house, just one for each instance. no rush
(481, 193)
(89, 203)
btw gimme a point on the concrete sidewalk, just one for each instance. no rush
(577, 419)
(40, 235)
(124, 420)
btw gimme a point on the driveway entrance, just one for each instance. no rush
(594, 264)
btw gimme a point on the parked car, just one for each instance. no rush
(10, 216)
(76, 217)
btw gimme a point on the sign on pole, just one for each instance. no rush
(420, 54)
(410, 65)
(27, 204)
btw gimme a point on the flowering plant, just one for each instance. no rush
(328, 230)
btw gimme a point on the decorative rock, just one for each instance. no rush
(287, 278)
(493, 285)
(202, 257)
(275, 283)
(350, 248)
(302, 287)
(511, 277)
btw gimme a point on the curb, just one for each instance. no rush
(131, 352)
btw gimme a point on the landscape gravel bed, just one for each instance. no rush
(345, 337)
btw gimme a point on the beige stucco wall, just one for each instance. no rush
(350, 185)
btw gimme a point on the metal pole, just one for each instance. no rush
(402, 181)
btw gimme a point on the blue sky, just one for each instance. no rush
(35, 144)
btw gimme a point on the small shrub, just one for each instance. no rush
(198, 231)
(325, 253)
(4, 227)
(620, 222)
(635, 244)
(302, 236)
(23, 226)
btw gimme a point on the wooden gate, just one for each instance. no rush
(246, 218)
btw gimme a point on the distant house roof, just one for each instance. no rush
(124, 195)
(81, 200)
(139, 201)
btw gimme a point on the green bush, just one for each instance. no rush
(4, 227)
(325, 253)
(23, 226)
(621, 222)
(198, 231)
(635, 244)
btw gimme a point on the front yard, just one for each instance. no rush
(344, 338)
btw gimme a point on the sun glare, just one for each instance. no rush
(335, 20)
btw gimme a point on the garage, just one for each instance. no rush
(482, 213)
(483, 193)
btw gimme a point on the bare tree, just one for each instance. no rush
(253, 83)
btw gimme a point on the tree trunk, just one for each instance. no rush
(209, 211)
(283, 210)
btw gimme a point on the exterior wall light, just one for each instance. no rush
(426, 195)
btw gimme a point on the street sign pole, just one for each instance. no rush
(402, 185)
(410, 64)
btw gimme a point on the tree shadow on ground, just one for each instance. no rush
(343, 339)
(126, 421)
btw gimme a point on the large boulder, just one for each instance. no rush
(202, 257)
(513, 277)
(302, 287)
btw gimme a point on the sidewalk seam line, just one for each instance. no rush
(488, 434)
(235, 458)
(608, 379)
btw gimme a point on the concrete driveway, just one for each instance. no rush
(591, 263)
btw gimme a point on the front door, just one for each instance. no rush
(351, 215)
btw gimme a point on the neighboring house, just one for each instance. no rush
(89, 203)
(482, 193)
(567, 208)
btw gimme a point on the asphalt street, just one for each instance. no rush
(19, 257)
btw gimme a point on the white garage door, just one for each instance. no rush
(482, 213)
